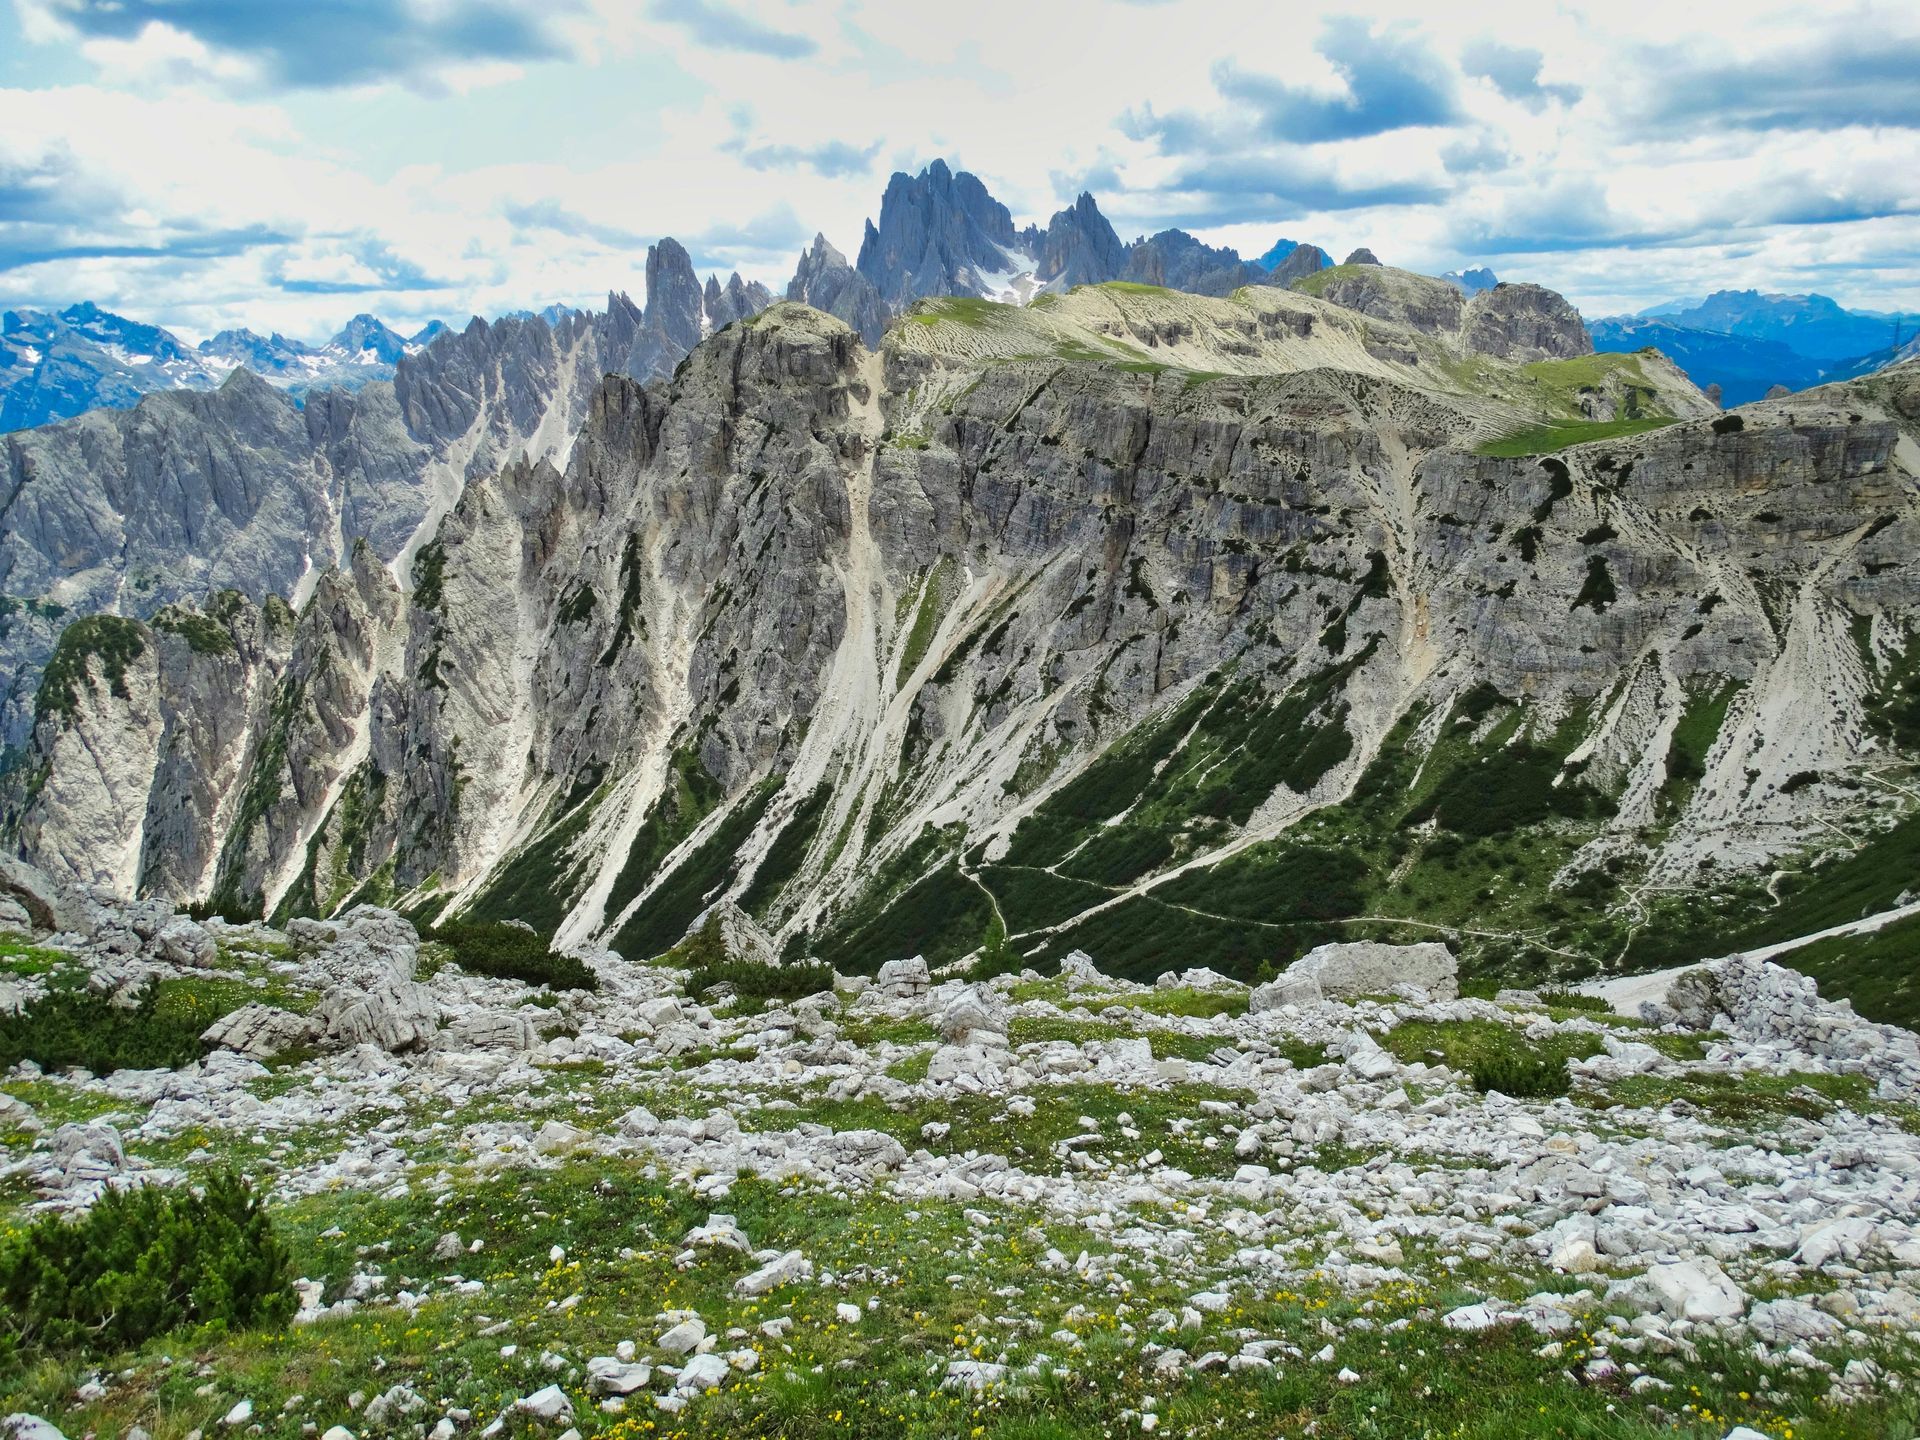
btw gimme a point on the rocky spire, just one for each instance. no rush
(674, 314)
(824, 280)
(938, 233)
(1079, 247)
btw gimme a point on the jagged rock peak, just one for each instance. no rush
(366, 334)
(674, 300)
(1178, 261)
(1471, 282)
(1301, 261)
(939, 233)
(736, 300)
(675, 317)
(1362, 256)
(824, 280)
(1079, 247)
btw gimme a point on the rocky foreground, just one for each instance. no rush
(921, 1205)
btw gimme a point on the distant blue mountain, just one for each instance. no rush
(1745, 369)
(1811, 325)
(1748, 341)
(1277, 256)
(53, 366)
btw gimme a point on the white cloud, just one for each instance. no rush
(284, 207)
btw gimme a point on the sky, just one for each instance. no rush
(284, 164)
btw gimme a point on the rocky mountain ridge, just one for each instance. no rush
(1044, 624)
(123, 512)
(56, 366)
(940, 233)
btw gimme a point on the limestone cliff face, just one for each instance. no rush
(824, 280)
(1509, 322)
(1525, 322)
(987, 628)
(144, 732)
(126, 511)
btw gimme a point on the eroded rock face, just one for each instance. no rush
(1773, 1005)
(803, 592)
(1302, 260)
(1366, 967)
(1511, 322)
(971, 1013)
(828, 283)
(1178, 261)
(244, 487)
(262, 1031)
(1079, 247)
(100, 754)
(903, 979)
(43, 903)
(676, 311)
(938, 234)
(1525, 322)
(736, 300)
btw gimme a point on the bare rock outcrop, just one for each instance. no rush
(1360, 967)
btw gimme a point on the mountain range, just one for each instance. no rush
(938, 233)
(53, 366)
(1126, 620)
(248, 486)
(1748, 342)
(1043, 621)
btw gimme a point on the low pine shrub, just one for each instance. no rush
(78, 1027)
(142, 1262)
(711, 966)
(1523, 1075)
(1575, 1000)
(996, 956)
(510, 952)
(758, 983)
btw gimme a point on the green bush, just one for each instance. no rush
(78, 1027)
(753, 981)
(1574, 1000)
(142, 1262)
(996, 956)
(509, 952)
(1524, 1076)
(709, 966)
(1508, 790)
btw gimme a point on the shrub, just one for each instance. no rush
(755, 982)
(996, 956)
(710, 966)
(510, 952)
(1524, 1076)
(142, 1262)
(1508, 790)
(78, 1027)
(1575, 1000)
(233, 911)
